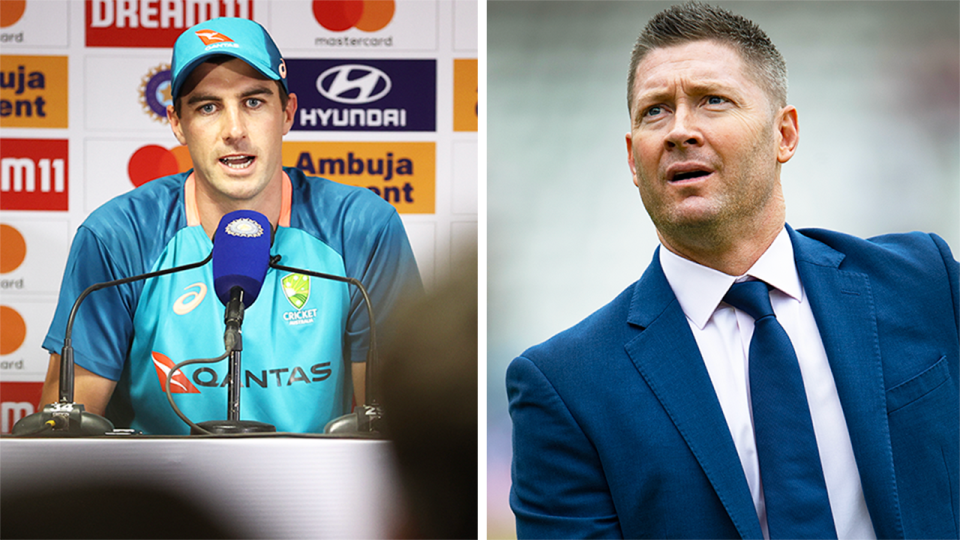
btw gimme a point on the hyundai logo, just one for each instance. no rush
(353, 84)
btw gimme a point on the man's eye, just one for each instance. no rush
(207, 109)
(253, 103)
(716, 100)
(653, 111)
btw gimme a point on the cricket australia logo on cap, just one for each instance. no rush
(244, 227)
(296, 288)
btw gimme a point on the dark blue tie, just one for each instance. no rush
(790, 471)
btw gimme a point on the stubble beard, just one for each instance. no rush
(729, 215)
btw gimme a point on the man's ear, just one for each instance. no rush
(630, 161)
(289, 113)
(789, 133)
(175, 124)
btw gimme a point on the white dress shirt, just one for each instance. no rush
(723, 335)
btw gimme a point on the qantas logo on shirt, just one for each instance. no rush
(179, 384)
(189, 301)
(276, 377)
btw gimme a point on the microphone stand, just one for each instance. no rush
(365, 417)
(233, 341)
(233, 318)
(66, 418)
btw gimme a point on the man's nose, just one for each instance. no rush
(684, 130)
(233, 124)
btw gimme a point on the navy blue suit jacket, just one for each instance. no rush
(617, 431)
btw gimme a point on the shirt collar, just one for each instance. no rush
(193, 213)
(700, 289)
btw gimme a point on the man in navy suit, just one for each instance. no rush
(643, 420)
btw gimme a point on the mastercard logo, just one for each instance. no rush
(11, 11)
(154, 161)
(366, 15)
(13, 330)
(13, 249)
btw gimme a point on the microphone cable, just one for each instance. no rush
(166, 388)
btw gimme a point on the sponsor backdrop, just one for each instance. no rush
(388, 101)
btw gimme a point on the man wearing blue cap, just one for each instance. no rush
(231, 107)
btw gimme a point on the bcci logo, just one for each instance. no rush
(296, 288)
(244, 227)
(155, 92)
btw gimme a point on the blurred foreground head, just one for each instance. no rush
(430, 408)
(109, 509)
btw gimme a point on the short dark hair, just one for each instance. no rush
(693, 21)
(221, 58)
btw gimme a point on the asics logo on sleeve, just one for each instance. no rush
(186, 303)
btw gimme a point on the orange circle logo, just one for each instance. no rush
(11, 11)
(13, 331)
(366, 15)
(13, 249)
(153, 161)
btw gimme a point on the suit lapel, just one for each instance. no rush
(667, 357)
(843, 306)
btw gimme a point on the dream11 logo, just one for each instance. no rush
(127, 23)
(34, 174)
(365, 15)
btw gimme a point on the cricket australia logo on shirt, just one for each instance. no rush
(296, 288)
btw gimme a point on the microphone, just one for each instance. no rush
(241, 257)
(366, 416)
(66, 418)
(241, 254)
